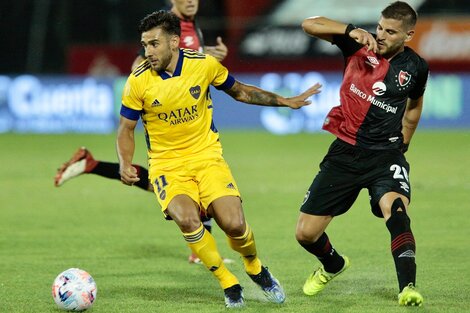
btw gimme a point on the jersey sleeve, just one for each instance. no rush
(132, 99)
(221, 78)
(346, 44)
(421, 80)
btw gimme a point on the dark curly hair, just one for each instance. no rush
(401, 11)
(166, 20)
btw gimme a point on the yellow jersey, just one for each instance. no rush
(176, 110)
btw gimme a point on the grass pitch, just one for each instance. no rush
(139, 260)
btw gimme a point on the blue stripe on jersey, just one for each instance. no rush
(130, 113)
(213, 128)
(179, 66)
(229, 82)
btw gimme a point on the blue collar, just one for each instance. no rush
(179, 65)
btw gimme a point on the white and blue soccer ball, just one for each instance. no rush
(74, 290)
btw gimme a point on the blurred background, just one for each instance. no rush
(64, 62)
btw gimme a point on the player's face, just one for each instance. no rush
(187, 8)
(159, 48)
(391, 36)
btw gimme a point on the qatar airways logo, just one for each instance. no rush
(370, 98)
(179, 116)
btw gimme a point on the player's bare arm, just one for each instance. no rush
(125, 146)
(254, 95)
(324, 28)
(411, 118)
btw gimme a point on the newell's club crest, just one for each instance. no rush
(195, 91)
(404, 78)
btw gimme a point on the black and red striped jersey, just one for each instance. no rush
(374, 94)
(191, 36)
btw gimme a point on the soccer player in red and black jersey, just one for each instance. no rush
(381, 100)
(82, 160)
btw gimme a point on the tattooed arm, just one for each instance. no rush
(254, 95)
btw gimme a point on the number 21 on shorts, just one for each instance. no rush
(400, 173)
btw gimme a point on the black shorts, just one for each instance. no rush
(346, 169)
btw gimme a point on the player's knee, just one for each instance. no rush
(304, 236)
(398, 206)
(398, 217)
(234, 227)
(188, 224)
(395, 207)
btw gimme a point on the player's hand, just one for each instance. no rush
(219, 51)
(301, 100)
(129, 175)
(404, 147)
(364, 38)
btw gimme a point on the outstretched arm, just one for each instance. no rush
(125, 145)
(254, 95)
(324, 28)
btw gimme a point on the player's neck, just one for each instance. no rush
(181, 16)
(170, 69)
(394, 54)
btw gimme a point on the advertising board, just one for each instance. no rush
(61, 104)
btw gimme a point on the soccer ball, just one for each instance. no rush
(74, 290)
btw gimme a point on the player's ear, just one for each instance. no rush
(175, 42)
(409, 35)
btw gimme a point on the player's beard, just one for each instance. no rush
(163, 61)
(388, 51)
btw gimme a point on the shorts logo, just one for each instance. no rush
(404, 78)
(404, 186)
(195, 91)
(379, 88)
(231, 186)
(306, 197)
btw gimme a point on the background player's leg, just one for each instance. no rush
(82, 162)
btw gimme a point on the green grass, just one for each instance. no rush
(138, 259)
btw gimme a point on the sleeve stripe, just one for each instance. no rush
(229, 82)
(130, 113)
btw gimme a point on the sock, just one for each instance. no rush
(143, 174)
(203, 245)
(111, 170)
(326, 254)
(402, 244)
(246, 246)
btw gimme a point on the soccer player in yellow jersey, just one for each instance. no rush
(83, 162)
(170, 92)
